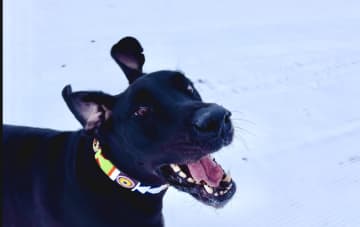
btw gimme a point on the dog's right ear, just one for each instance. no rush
(128, 54)
(91, 108)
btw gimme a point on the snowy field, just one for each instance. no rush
(289, 71)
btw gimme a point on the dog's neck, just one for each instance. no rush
(106, 192)
(121, 178)
(139, 165)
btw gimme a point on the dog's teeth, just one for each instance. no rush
(221, 192)
(230, 186)
(216, 194)
(208, 189)
(182, 174)
(190, 180)
(175, 167)
(227, 178)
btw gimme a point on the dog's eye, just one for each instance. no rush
(141, 111)
(193, 93)
(190, 89)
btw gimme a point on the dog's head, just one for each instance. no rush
(159, 130)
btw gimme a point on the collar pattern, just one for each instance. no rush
(121, 178)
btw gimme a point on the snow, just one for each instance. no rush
(289, 71)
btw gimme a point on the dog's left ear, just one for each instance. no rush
(128, 54)
(92, 108)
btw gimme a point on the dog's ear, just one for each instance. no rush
(90, 108)
(128, 54)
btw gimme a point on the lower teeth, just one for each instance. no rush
(182, 174)
(208, 189)
(190, 180)
(175, 167)
(226, 178)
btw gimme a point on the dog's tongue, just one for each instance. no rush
(207, 170)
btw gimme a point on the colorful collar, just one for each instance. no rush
(121, 178)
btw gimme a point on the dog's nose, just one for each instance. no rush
(212, 120)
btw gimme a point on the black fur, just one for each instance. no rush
(50, 178)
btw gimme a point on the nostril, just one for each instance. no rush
(209, 126)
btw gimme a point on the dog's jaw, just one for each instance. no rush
(204, 179)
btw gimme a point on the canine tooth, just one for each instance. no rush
(190, 180)
(175, 167)
(230, 186)
(182, 174)
(227, 178)
(208, 189)
(216, 194)
(221, 193)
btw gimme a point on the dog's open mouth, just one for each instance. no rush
(204, 179)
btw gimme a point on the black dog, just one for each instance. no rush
(115, 171)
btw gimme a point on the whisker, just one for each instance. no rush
(244, 120)
(243, 142)
(236, 111)
(245, 130)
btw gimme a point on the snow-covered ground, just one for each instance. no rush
(289, 71)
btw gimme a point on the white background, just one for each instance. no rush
(289, 71)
